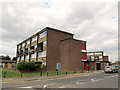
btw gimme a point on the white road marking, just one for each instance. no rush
(77, 82)
(95, 79)
(25, 87)
(80, 80)
(62, 87)
(82, 83)
(92, 80)
(44, 86)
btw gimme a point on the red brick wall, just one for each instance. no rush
(92, 65)
(53, 47)
(105, 58)
(71, 55)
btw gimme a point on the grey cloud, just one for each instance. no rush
(83, 11)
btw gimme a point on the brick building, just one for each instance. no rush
(96, 61)
(54, 49)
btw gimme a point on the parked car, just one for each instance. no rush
(112, 69)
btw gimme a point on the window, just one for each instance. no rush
(21, 52)
(17, 53)
(96, 57)
(27, 57)
(19, 47)
(100, 56)
(22, 58)
(36, 46)
(45, 33)
(44, 43)
(33, 56)
(28, 42)
(34, 38)
(41, 35)
(28, 48)
(89, 58)
(42, 54)
(92, 57)
(18, 58)
(40, 46)
(23, 44)
(32, 47)
(44, 63)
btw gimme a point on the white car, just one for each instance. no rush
(112, 69)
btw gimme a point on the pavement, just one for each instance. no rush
(24, 79)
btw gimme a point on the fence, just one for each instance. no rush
(8, 74)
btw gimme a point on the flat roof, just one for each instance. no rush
(46, 28)
(8, 61)
(96, 52)
(59, 30)
(72, 39)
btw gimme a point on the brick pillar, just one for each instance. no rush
(24, 49)
(20, 50)
(16, 52)
(37, 46)
(30, 47)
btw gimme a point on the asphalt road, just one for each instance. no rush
(100, 80)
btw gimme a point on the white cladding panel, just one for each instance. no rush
(27, 57)
(22, 58)
(42, 54)
(33, 55)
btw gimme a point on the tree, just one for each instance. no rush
(14, 58)
(7, 58)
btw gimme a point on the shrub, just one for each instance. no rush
(27, 66)
(21, 66)
(37, 65)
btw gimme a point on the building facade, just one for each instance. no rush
(54, 49)
(9, 64)
(96, 61)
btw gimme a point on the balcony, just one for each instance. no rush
(84, 59)
(21, 53)
(39, 49)
(83, 50)
(25, 52)
(31, 51)
(18, 54)
(88, 58)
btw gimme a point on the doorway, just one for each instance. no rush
(98, 66)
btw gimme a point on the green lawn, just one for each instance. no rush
(15, 74)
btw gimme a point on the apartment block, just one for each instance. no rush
(96, 61)
(54, 49)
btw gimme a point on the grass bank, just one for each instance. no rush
(10, 74)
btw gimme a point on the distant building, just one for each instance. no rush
(96, 61)
(7, 64)
(1, 57)
(116, 63)
(54, 49)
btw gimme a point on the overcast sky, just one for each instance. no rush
(96, 23)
